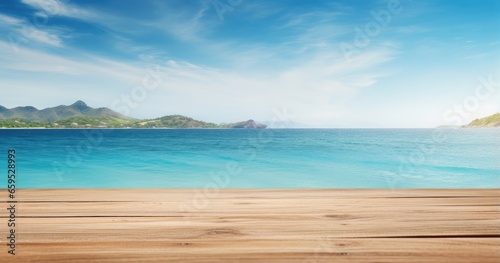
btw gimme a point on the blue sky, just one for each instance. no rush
(385, 63)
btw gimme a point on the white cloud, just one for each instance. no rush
(31, 61)
(59, 8)
(25, 32)
(12, 21)
(185, 25)
(45, 37)
(48, 8)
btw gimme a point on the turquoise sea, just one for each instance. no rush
(239, 158)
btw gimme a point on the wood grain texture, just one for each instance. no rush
(255, 225)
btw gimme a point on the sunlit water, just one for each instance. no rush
(270, 158)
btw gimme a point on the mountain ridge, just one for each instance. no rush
(80, 115)
(52, 114)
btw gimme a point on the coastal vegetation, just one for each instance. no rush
(79, 115)
(489, 121)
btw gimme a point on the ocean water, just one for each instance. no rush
(269, 158)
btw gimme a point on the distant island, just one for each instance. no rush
(80, 115)
(486, 122)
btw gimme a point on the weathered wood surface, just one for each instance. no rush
(248, 225)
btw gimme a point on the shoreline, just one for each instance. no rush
(257, 225)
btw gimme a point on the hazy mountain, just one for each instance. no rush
(77, 109)
(489, 121)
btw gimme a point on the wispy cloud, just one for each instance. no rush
(28, 32)
(186, 23)
(11, 21)
(29, 60)
(45, 37)
(60, 8)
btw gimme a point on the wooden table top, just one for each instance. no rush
(254, 225)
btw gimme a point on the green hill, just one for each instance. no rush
(79, 115)
(490, 121)
(173, 121)
(179, 121)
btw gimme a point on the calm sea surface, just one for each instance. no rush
(270, 158)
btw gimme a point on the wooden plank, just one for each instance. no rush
(255, 225)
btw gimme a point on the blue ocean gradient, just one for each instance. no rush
(239, 158)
